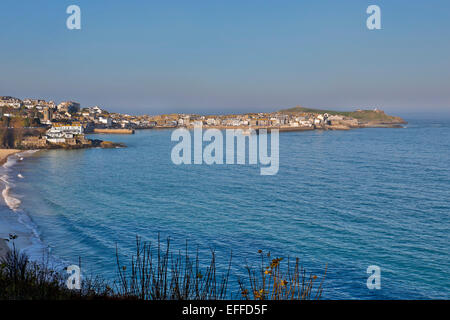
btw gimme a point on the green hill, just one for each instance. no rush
(362, 115)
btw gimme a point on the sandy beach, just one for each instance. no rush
(5, 153)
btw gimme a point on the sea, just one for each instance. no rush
(341, 201)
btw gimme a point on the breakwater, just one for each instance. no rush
(114, 131)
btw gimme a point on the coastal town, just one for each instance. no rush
(46, 124)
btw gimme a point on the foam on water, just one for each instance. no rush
(20, 223)
(11, 202)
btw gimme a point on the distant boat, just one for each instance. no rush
(20, 176)
(21, 158)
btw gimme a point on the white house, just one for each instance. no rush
(58, 133)
(106, 121)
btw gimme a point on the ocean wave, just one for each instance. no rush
(29, 240)
(12, 202)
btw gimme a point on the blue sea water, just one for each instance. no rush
(346, 199)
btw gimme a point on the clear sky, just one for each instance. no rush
(228, 56)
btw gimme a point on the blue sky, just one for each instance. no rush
(228, 56)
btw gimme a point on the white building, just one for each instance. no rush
(335, 117)
(13, 104)
(58, 133)
(106, 121)
(305, 123)
(95, 109)
(211, 121)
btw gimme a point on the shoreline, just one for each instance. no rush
(393, 125)
(12, 219)
(5, 153)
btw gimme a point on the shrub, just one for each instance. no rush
(273, 282)
(157, 274)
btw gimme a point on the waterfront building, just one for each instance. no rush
(58, 133)
(105, 121)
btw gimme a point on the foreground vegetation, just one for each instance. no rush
(159, 274)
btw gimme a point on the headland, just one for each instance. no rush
(40, 124)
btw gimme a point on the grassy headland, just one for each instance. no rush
(363, 116)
